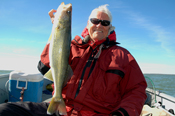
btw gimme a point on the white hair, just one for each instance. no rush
(102, 8)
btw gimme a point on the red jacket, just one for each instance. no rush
(106, 80)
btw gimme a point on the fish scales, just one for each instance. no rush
(58, 55)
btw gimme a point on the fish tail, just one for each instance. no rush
(55, 106)
(52, 106)
(62, 108)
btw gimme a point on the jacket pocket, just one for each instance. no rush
(106, 86)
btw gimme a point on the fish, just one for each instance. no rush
(59, 50)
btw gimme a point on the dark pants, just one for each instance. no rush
(24, 109)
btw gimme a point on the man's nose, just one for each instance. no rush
(99, 24)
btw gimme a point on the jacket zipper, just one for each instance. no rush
(88, 64)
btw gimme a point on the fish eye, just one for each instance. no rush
(69, 12)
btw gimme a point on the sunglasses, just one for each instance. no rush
(97, 21)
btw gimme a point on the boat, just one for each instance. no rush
(4, 89)
(155, 99)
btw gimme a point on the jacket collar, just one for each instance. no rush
(112, 35)
(110, 40)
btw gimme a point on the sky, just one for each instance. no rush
(146, 28)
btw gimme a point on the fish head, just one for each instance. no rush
(64, 13)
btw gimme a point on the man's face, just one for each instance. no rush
(98, 31)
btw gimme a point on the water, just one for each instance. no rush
(5, 71)
(163, 82)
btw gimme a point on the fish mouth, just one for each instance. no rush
(68, 7)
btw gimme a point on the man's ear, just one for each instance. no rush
(111, 28)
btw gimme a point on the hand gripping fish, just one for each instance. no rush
(59, 50)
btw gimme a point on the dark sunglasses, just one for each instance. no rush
(97, 21)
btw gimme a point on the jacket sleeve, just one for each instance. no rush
(43, 64)
(132, 88)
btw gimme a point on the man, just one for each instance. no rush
(106, 78)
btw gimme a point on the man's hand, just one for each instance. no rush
(52, 15)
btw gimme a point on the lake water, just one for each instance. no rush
(4, 71)
(163, 82)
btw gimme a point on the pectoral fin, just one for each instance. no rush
(69, 74)
(48, 75)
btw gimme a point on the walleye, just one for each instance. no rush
(59, 50)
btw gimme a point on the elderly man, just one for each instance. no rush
(106, 78)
